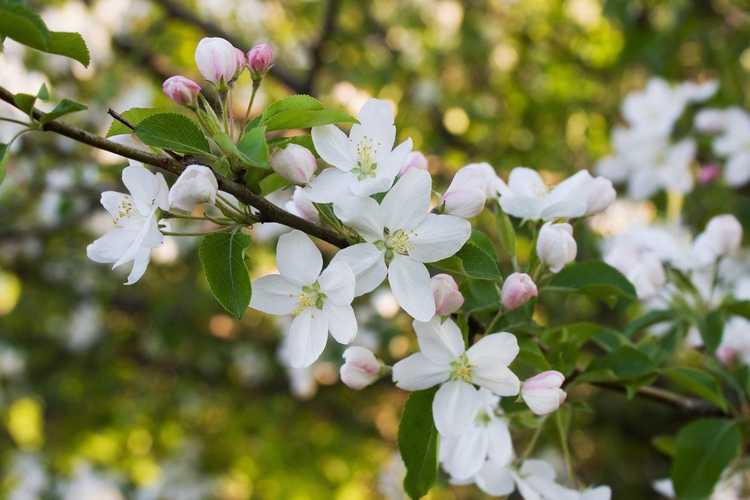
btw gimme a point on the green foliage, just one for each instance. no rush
(506, 235)
(222, 258)
(418, 441)
(135, 116)
(476, 259)
(625, 363)
(594, 278)
(648, 319)
(712, 329)
(64, 107)
(272, 183)
(698, 382)
(254, 148)
(3, 157)
(704, 449)
(173, 132)
(301, 111)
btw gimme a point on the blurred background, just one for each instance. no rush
(151, 391)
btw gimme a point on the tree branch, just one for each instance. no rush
(267, 211)
(327, 29)
(677, 401)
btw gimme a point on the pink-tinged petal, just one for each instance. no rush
(454, 407)
(410, 284)
(408, 202)
(337, 282)
(417, 372)
(308, 334)
(441, 341)
(438, 237)
(334, 147)
(341, 322)
(367, 264)
(329, 185)
(297, 258)
(274, 294)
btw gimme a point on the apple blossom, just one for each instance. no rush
(217, 60)
(448, 299)
(365, 162)
(319, 301)
(196, 184)
(555, 245)
(518, 289)
(463, 455)
(416, 159)
(733, 143)
(181, 90)
(640, 266)
(360, 369)
(295, 163)
(542, 392)
(722, 237)
(444, 361)
(470, 188)
(260, 59)
(401, 235)
(301, 206)
(668, 169)
(135, 216)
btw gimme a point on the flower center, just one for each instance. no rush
(483, 418)
(311, 296)
(393, 243)
(461, 368)
(125, 209)
(366, 162)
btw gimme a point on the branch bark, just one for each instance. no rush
(267, 211)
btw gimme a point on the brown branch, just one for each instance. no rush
(327, 30)
(267, 211)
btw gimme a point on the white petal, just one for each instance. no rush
(329, 185)
(367, 264)
(140, 263)
(394, 160)
(148, 236)
(143, 186)
(526, 182)
(408, 202)
(495, 479)
(361, 214)
(337, 282)
(122, 208)
(111, 246)
(417, 372)
(410, 284)
(500, 442)
(501, 347)
(523, 207)
(162, 191)
(497, 378)
(334, 147)
(454, 407)
(274, 294)
(341, 322)
(370, 185)
(598, 493)
(737, 171)
(438, 237)
(564, 209)
(468, 454)
(376, 112)
(538, 468)
(297, 258)
(441, 341)
(307, 337)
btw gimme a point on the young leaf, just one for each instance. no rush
(272, 183)
(648, 319)
(625, 363)
(711, 328)
(301, 111)
(69, 45)
(134, 116)
(698, 382)
(25, 102)
(43, 93)
(221, 256)
(64, 107)
(506, 234)
(418, 443)
(174, 132)
(23, 25)
(3, 151)
(254, 148)
(595, 278)
(704, 449)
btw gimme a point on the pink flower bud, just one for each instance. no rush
(217, 60)
(260, 59)
(445, 292)
(302, 206)
(295, 163)
(542, 392)
(470, 188)
(708, 173)
(517, 290)
(414, 160)
(726, 354)
(180, 89)
(360, 369)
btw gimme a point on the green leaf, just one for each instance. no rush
(43, 92)
(625, 363)
(648, 319)
(301, 111)
(699, 383)
(254, 148)
(479, 295)
(64, 107)
(174, 132)
(3, 151)
(738, 308)
(711, 328)
(530, 359)
(272, 183)
(476, 259)
(222, 258)
(665, 444)
(23, 25)
(506, 234)
(596, 279)
(69, 45)
(418, 443)
(135, 116)
(704, 449)
(25, 102)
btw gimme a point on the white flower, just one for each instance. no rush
(722, 237)
(527, 197)
(196, 184)
(295, 163)
(470, 188)
(319, 302)
(444, 360)
(365, 162)
(301, 206)
(667, 168)
(416, 159)
(401, 235)
(88, 485)
(137, 230)
(735, 342)
(640, 266)
(464, 454)
(542, 392)
(535, 480)
(555, 245)
(218, 60)
(360, 369)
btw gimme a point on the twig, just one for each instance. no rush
(117, 116)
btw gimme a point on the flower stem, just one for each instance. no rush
(565, 448)
(494, 321)
(256, 86)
